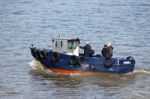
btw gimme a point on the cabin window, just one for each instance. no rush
(61, 43)
(58, 44)
(72, 44)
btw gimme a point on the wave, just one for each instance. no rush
(36, 65)
(39, 68)
(141, 72)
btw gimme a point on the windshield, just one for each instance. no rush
(72, 44)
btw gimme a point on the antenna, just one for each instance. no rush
(59, 36)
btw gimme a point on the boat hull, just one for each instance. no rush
(67, 64)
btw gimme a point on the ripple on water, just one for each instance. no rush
(125, 23)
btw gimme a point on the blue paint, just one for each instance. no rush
(93, 64)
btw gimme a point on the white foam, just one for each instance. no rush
(139, 72)
(142, 71)
(35, 64)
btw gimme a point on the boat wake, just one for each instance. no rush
(141, 72)
(36, 65)
(39, 68)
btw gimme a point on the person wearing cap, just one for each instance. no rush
(107, 51)
(87, 49)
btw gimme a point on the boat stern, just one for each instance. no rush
(126, 65)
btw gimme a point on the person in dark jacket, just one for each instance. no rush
(107, 51)
(87, 50)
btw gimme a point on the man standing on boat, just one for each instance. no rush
(87, 49)
(107, 51)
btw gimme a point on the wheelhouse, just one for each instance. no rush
(66, 45)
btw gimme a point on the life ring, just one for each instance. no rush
(107, 63)
(74, 60)
(41, 54)
(55, 56)
(37, 53)
(44, 53)
(38, 56)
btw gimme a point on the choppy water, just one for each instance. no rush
(125, 23)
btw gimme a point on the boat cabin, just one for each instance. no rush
(66, 45)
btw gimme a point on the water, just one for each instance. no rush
(125, 23)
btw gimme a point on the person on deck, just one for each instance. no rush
(88, 52)
(107, 51)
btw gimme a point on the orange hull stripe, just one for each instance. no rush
(62, 71)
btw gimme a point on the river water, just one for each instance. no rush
(124, 23)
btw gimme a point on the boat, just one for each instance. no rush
(65, 58)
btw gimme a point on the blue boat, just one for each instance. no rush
(65, 58)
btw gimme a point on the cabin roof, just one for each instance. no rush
(74, 39)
